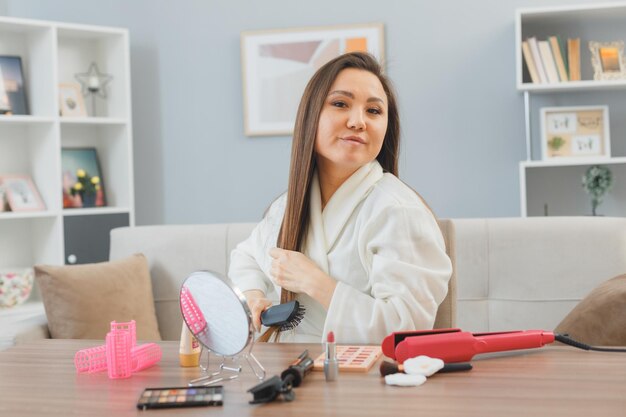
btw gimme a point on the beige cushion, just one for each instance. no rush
(600, 318)
(82, 300)
(446, 313)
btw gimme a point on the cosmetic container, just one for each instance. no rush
(189, 352)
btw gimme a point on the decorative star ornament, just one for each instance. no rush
(93, 81)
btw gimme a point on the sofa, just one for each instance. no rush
(511, 273)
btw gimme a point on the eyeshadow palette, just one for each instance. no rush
(180, 397)
(352, 358)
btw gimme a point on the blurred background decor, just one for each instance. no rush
(597, 181)
(16, 285)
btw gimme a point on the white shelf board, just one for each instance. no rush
(12, 215)
(572, 162)
(19, 25)
(586, 85)
(93, 120)
(25, 119)
(608, 9)
(77, 30)
(95, 211)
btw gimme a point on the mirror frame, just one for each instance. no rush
(242, 300)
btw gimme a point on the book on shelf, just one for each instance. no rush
(564, 55)
(548, 62)
(573, 58)
(530, 63)
(558, 58)
(534, 49)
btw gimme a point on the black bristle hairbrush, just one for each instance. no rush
(287, 316)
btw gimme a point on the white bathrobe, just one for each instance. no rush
(378, 240)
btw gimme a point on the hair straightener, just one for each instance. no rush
(455, 345)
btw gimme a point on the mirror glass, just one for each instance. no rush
(216, 313)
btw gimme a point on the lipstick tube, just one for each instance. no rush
(331, 366)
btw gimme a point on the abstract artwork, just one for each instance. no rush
(278, 64)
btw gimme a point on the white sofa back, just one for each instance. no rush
(528, 273)
(173, 253)
(517, 273)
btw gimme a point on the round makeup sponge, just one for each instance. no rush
(422, 365)
(405, 380)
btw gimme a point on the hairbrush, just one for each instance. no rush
(387, 368)
(286, 316)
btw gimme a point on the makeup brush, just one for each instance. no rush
(387, 368)
(287, 316)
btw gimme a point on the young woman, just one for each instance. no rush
(352, 243)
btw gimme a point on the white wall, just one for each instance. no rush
(452, 62)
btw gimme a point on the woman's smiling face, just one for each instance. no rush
(352, 123)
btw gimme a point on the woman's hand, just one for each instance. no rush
(295, 272)
(257, 303)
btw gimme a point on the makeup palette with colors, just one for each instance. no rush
(352, 358)
(180, 397)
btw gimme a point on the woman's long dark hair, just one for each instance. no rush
(296, 220)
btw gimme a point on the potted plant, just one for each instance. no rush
(87, 187)
(597, 181)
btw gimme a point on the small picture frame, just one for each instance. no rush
(13, 99)
(71, 103)
(21, 193)
(575, 132)
(608, 61)
(82, 179)
(3, 199)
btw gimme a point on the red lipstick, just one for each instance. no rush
(331, 366)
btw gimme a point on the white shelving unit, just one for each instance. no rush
(53, 53)
(554, 187)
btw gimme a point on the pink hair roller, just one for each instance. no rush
(119, 356)
(144, 356)
(119, 361)
(91, 360)
(126, 327)
(191, 312)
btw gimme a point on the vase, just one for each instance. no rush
(89, 200)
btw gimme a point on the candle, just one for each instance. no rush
(94, 82)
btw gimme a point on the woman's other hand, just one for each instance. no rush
(257, 303)
(295, 272)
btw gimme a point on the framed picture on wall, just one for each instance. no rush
(575, 132)
(277, 64)
(12, 90)
(83, 185)
(21, 193)
(71, 103)
(608, 61)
